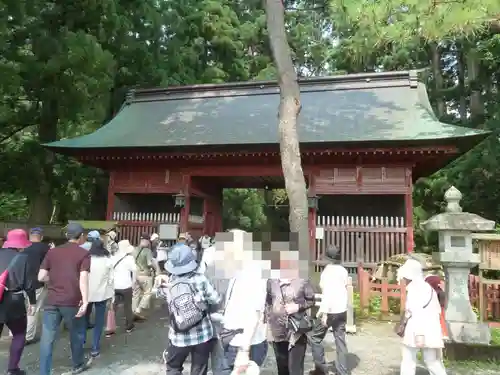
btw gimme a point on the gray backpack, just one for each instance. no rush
(184, 310)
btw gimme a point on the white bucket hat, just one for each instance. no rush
(410, 270)
(125, 247)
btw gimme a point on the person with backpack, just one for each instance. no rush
(15, 280)
(125, 276)
(190, 299)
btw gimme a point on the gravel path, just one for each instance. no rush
(375, 351)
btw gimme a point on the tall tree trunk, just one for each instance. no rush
(438, 79)
(477, 111)
(462, 102)
(289, 110)
(41, 202)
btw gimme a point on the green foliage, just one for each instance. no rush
(244, 209)
(65, 68)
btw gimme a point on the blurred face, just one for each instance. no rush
(236, 251)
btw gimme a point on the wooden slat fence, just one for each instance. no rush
(132, 224)
(368, 289)
(157, 217)
(366, 239)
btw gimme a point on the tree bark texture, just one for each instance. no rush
(289, 110)
(477, 110)
(462, 109)
(41, 202)
(438, 79)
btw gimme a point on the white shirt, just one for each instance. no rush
(205, 242)
(333, 284)
(161, 254)
(101, 285)
(125, 271)
(423, 304)
(245, 296)
(207, 259)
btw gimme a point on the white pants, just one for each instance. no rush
(432, 358)
(41, 295)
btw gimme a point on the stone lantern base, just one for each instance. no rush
(469, 333)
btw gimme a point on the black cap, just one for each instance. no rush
(333, 253)
(74, 230)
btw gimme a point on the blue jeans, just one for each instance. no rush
(99, 321)
(52, 317)
(258, 353)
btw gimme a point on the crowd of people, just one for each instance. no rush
(213, 319)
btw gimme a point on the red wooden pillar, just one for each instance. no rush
(312, 219)
(111, 197)
(184, 222)
(409, 210)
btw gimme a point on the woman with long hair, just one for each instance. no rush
(15, 280)
(436, 283)
(101, 290)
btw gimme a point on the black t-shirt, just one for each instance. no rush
(36, 254)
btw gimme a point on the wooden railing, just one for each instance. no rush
(157, 217)
(369, 240)
(394, 294)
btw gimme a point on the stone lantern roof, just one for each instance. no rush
(453, 219)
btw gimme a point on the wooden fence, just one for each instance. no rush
(156, 217)
(392, 295)
(362, 239)
(131, 225)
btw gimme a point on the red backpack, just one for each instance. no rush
(4, 278)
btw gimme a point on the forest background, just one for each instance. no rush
(65, 68)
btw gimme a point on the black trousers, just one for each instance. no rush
(200, 354)
(88, 315)
(337, 323)
(124, 296)
(290, 362)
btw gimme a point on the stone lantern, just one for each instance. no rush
(456, 255)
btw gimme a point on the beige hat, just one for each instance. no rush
(111, 234)
(183, 236)
(124, 246)
(154, 236)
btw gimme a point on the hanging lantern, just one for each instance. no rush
(312, 201)
(180, 200)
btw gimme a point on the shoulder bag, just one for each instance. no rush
(400, 327)
(299, 322)
(227, 335)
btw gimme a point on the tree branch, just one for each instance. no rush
(14, 132)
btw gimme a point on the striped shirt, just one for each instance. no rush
(204, 331)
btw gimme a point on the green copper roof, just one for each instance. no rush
(379, 107)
